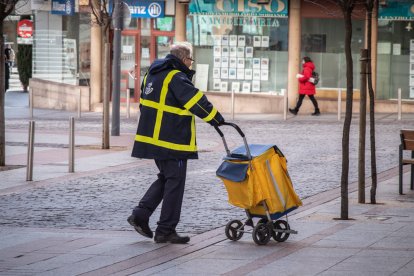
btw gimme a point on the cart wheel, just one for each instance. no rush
(282, 225)
(261, 234)
(233, 230)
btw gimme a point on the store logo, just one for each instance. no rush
(68, 7)
(154, 10)
(148, 89)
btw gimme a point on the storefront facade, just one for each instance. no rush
(253, 50)
(248, 48)
(395, 50)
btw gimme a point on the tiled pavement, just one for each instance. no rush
(377, 240)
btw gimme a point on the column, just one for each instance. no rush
(374, 41)
(294, 50)
(96, 63)
(180, 22)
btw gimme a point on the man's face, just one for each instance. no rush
(188, 61)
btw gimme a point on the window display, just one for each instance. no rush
(242, 49)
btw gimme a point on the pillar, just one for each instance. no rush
(180, 22)
(96, 63)
(374, 40)
(294, 50)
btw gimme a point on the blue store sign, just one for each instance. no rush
(144, 8)
(275, 8)
(397, 10)
(63, 7)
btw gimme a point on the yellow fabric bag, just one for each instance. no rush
(266, 178)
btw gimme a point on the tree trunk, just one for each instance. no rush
(347, 11)
(6, 7)
(2, 93)
(370, 6)
(362, 126)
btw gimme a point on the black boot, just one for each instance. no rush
(316, 113)
(293, 111)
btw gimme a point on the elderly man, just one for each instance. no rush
(166, 133)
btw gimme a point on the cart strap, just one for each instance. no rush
(232, 171)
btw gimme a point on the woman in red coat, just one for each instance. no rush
(306, 87)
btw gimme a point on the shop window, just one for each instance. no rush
(164, 24)
(62, 48)
(395, 60)
(323, 41)
(241, 54)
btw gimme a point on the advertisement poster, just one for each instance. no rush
(223, 86)
(257, 41)
(235, 87)
(71, 61)
(216, 84)
(240, 74)
(233, 40)
(241, 40)
(255, 86)
(216, 73)
(224, 73)
(240, 63)
(265, 41)
(246, 87)
(202, 76)
(249, 52)
(233, 62)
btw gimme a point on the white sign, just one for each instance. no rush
(201, 80)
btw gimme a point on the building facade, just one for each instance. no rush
(240, 46)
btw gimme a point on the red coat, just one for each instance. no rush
(306, 87)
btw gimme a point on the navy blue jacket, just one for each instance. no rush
(169, 101)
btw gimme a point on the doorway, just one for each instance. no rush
(141, 44)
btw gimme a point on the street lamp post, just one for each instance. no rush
(116, 68)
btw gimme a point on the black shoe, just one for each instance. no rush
(316, 113)
(172, 238)
(293, 111)
(141, 227)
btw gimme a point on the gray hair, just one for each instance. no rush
(182, 50)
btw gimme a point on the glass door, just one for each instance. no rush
(129, 63)
(162, 45)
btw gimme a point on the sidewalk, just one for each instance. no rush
(377, 240)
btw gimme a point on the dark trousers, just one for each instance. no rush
(168, 188)
(311, 97)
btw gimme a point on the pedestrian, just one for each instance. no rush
(6, 74)
(166, 134)
(10, 56)
(306, 86)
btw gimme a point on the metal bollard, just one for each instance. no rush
(339, 103)
(232, 104)
(31, 102)
(72, 145)
(285, 104)
(79, 103)
(128, 105)
(30, 146)
(399, 104)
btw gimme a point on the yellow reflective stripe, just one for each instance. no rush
(145, 80)
(211, 116)
(166, 108)
(163, 96)
(161, 108)
(193, 100)
(164, 144)
(193, 136)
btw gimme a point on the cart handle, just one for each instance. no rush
(249, 156)
(229, 124)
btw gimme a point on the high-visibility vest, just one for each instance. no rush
(166, 128)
